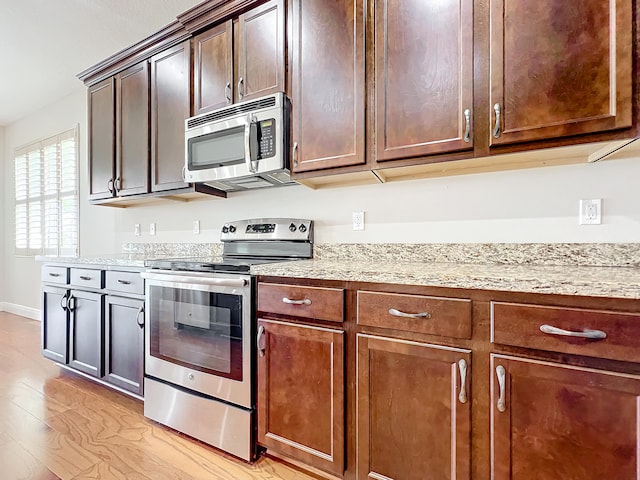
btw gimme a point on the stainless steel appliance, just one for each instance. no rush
(201, 330)
(240, 147)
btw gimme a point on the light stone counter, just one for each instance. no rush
(616, 282)
(105, 262)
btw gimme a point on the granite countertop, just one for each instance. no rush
(616, 282)
(129, 260)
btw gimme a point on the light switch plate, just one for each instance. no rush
(152, 229)
(590, 212)
(196, 227)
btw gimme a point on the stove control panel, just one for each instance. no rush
(268, 229)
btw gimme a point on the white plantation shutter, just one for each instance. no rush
(46, 196)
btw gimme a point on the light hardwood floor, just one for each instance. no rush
(58, 425)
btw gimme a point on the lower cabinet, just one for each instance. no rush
(124, 343)
(55, 324)
(302, 366)
(414, 410)
(561, 422)
(86, 310)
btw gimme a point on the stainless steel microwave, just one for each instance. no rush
(239, 147)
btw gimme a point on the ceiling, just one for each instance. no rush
(44, 44)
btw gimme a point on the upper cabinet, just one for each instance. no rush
(170, 106)
(240, 60)
(559, 68)
(101, 139)
(327, 84)
(423, 77)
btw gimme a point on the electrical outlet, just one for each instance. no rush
(196, 227)
(590, 212)
(358, 220)
(152, 229)
(136, 230)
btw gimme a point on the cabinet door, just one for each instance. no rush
(424, 77)
(85, 332)
(301, 393)
(132, 130)
(101, 140)
(260, 55)
(327, 84)
(414, 410)
(559, 68)
(124, 343)
(213, 68)
(170, 106)
(559, 422)
(55, 324)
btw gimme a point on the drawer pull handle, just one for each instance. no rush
(502, 378)
(586, 333)
(261, 348)
(462, 365)
(85, 277)
(398, 313)
(289, 301)
(54, 274)
(124, 282)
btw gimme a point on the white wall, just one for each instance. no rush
(535, 205)
(4, 202)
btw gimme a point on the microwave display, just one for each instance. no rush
(227, 147)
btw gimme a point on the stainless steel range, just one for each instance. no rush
(201, 330)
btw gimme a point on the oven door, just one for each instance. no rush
(198, 333)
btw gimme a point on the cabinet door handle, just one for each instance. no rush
(496, 128)
(295, 154)
(117, 185)
(462, 365)
(84, 277)
(240, 88)
(289, 301)
(184, 174)
(586, 333)
(124, 282)
(110, 185)
(467, 125)
(261, 347)
(398, 313)
(71, 303)
(63, 302)
(227, 92)
(140, 312)
(502, 378)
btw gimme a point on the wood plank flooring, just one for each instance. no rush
(56, 425)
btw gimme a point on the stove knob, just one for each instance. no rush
(302, 228)
(232, 229)
(292, 228)
(225, 229)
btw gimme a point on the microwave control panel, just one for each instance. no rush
(266, 138)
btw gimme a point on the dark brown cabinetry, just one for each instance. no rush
(327, 84)
(414, 410)
(124, 342)
(86, 310)
(302, 366)
(562, 422)
(240, 60)
(101, 139)
(559, 68)
(423, 78)
(170, 106)
(55, 324)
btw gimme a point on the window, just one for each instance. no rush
(46, 196)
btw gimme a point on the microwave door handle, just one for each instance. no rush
(251, 145)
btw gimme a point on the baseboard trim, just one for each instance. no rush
(32, 313)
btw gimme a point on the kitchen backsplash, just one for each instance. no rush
(580, 254)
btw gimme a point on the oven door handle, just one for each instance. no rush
(219, 282)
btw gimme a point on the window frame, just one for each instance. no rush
(33, 189)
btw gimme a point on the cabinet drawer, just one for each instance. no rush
(520, 325)
(87, 277)
(307, 302)
(449, 317)
(126, 282)
(54, 274)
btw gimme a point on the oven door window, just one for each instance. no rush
(197, 329)
(219, 149)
